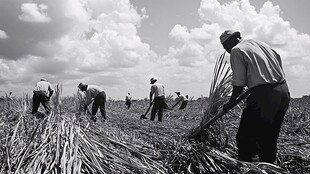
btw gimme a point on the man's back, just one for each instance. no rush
(43, 86)
(93, 90)
(128, 97)
(158, 90)
(255, 63)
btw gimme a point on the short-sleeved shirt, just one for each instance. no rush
(255, 63)
(43, 86)
(91, 92)
(128, 97)
(182, 98)
(158, 90)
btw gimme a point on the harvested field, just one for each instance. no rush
(69, 142)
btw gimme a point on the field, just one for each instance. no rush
(69, 142)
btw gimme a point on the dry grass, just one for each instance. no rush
(69, 142)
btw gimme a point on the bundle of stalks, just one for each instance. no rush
(218, 95)
(57, 97)
(62, 144)
(79, 100)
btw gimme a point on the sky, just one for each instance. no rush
(120, 44)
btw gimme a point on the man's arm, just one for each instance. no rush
(178, 101)
(50, 94)
(237, 90)
(88, 97)
(51, 91)
(151, 97)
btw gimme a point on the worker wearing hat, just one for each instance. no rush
(181, 98)
(41, 94)
(158, 91)
(257, 66)
(95, 94)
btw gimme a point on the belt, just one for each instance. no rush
(279, 82)
(39, 91)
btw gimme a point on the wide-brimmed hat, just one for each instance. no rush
(227, 34)
(43, 79)
(81, 85)
(177, 92)
(152, 80)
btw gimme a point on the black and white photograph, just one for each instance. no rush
(154, 87)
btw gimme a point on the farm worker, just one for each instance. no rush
(158, 91)
(96, 94)
(257, 66)
(42, 93)
(181, 98)
(128, 100)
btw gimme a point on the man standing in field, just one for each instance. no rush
(158, 91)
(41, 94)
(96, 94)
(128, 100)
(181, 98)
(256, 65)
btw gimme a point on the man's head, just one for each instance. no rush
(153, 80)
(178, 93)
(82, 86)
(43, 79)
(229, 39)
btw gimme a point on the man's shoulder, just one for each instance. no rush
(44, 83)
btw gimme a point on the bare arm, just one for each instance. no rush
(237, 90)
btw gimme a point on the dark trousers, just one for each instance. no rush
(128, 103)
(158, 107)
(99, 102)
(183, 105)
(261, 121)
(40, 97)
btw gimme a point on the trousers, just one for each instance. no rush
(158, 107)
(261, 121)
(40, 97)
(99, 102)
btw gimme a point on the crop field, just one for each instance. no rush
(67, 141)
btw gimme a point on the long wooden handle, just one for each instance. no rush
(148, 109)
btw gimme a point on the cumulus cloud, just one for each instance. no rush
(32, 12)
(198, 48)
(97, 42)
(91, 41)
(3, 35)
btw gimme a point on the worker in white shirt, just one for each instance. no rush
(41, 94)
(158, 91)
(97, 95)
(181, 98)
(128, 100)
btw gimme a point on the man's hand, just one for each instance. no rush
(227, 106)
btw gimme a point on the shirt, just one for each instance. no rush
(91, 92)
(181, 98)
(128, 97)
(255, 63)
(43, 86)
(158, 90)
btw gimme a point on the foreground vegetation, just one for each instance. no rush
(69, 142)
(196, 140)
